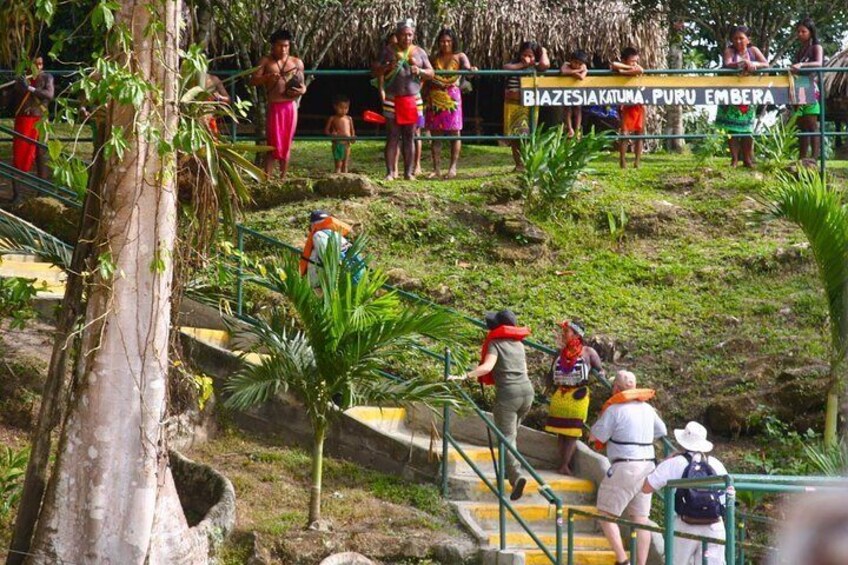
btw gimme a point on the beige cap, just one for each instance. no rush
(625, 380)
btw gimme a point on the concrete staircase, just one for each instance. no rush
(476, 505)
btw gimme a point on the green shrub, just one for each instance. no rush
(779, 146)
(553, 163)
(12, 468)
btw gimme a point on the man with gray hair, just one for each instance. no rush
(403, 67)
(628, 425)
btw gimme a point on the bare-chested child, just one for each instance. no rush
(632, 116)
(576, 67)
(340, 125)
(282, 76)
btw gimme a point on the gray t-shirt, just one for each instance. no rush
(511, 366)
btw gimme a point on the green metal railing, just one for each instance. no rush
(730, 484)
(819, 72)
(742, 482)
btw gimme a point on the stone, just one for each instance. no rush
(321, 526)
(609, 350)
(51, 216)
(344, 185)
(680, 184)
(503, 557)
(401, 279)
(347, 558)
(271, 194)
(501, 191)
(517, 227)
(443, 295)
(259, 554)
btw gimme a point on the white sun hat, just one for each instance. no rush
(693, 438)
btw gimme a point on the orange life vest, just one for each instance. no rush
(329, 223)
(621, 397)
(514, 333)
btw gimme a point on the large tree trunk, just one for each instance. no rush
(53, 405)
(111, 486)
(674, 114)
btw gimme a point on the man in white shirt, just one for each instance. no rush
(693, 440)
(629, 425)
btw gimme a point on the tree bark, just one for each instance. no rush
(317, 473)
(674, 114)
(53, 397)
(111, 482)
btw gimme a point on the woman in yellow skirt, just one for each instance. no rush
(568, 381)
(517, 118)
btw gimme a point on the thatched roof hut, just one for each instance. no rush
(489, 30)
(836, 84)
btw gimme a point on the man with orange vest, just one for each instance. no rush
(628, 425)
(322, 226)
(503, 364)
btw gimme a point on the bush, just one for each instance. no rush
(552, 164)
(12, 468)
(779, 146)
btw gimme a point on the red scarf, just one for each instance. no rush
(330, 223)
(569, 355)
(513, 333)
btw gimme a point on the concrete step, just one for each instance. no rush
(482, 517)
(48, 278)
(571, 490)
(523, 540)
(581, 557)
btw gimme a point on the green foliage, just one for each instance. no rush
(830, 460)
(713, 145)
(617, 224)
(783, 450)
(16, 296)
(20, 237)
(553, 163)
(12, 469)
(345, 335)
(779, 146)
(819, 209)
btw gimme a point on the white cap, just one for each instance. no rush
(693, 438)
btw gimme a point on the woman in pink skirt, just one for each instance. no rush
(443, 105)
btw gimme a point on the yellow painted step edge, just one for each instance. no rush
(558, 485)
(537, 557)
(526, 511)
(377, 414)
(523, 539)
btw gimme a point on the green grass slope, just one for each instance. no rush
(708, 299)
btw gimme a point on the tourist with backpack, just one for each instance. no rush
(699, 511)
(628, 425)
(323, 226)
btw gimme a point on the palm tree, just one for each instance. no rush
(330, 354)
(821, 212)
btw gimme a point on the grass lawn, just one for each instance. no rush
(703, 292)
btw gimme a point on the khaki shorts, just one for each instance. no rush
(621, 489)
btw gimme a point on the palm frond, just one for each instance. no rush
(288, 364)
(20, 237)
(820, 211)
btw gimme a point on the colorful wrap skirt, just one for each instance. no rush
(736, 119)
(568, 411)
(443, 111)
(517, 118)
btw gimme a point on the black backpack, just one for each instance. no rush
(694, 504)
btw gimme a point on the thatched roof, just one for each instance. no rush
(836, 84)
(489, 30)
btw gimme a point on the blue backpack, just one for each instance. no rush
(698, 505)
